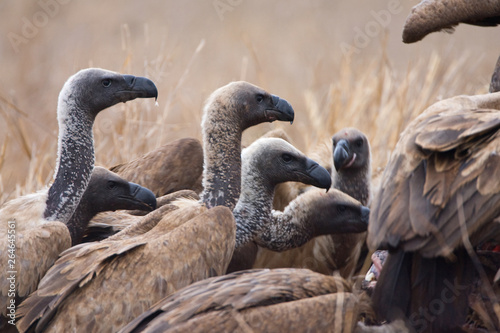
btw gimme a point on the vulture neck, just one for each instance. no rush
(354, 182)
(222, 158)
(254, 207)
(79, 220)
(75, 160)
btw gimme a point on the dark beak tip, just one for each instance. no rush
(143, 85)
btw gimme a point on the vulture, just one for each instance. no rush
(436, 15)
(39, 225)
(495, 78)
(340, 250)
(306, 217)
(439, 199)
(102, 286)
(107, 191)
(164, 170)
(106, 224)
(261, 300)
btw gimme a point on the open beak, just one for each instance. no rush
(281, 110)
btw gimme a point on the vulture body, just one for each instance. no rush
(262, 300)
(435, 15)
(107, 224)
(268, 162)
(175, 166)
(102, 286)
(439, 197)
(41, 222)
(340, 250)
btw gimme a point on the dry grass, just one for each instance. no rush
(289, 47)
(376, 90)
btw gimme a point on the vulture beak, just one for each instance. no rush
(139, 87)
(320, 176)
(341, 155)
(142, 197)
(365, 215)
(281, 110)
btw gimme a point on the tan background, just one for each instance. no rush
(291, 48)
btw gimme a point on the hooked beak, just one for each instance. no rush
(139, 87)
(320, 176)
(142, 197)
(341, 155)
(281, 110)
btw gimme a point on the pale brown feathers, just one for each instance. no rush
(446, 161)
(435, 15)
(174, 166)
(256, 300)
(97, 274)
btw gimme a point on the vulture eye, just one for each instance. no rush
(359, 143)
(111, 185)
(286, 158)
(259, 98)
(106, 82)
(341, 209)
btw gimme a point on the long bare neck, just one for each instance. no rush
(75, 162)
(355, 182)
(254, 207)
(222, 160)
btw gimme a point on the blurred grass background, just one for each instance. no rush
(296, 49)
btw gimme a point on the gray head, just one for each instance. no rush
(93, 90)
(107, 191)
(351, 149)
(278, 161)
(247, 104)
(332, 213)
(82, 97)
(228, 112)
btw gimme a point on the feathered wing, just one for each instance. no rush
(37, 244)
(205, 303)
(445, 164)
(174, 166)
(87, 284)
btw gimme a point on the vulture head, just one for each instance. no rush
(279, 161)
(248, 104)
(351, 149)
(95, 89)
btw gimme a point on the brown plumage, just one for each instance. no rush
(269, 161)
(441, 186)
(39, 224)
(495, 78)
(435, 15)
(279, 300)
(107, 224)
(340, 250)
(107, 192)
(102, 286)
(172, 167)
